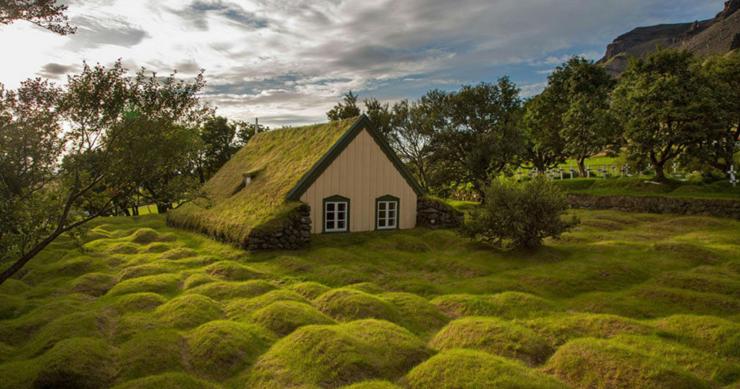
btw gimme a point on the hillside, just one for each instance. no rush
(625, 300)
(712, 36)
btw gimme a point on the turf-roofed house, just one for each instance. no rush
(287, 184)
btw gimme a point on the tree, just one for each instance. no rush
(520, 214)
(245, 131)
(544, 146)
(345, 109)
(723, 76)
(482, 136)
(665, 107)
(46, 14)
(218, 138)
(120, 135)
(410, 131)
(578, 93)
(380, 115)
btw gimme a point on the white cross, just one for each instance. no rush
(733, 178)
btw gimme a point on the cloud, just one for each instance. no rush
(198, 12)
(291, 60)
(55, 70)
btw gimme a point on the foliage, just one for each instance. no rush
(665, 106)
(520, 214)
(544, 145)
(48, 14)
(483, 137)
(346, 109)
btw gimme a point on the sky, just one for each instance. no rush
(288, 61)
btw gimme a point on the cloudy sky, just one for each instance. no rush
(287, 61)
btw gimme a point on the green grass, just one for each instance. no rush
(645, 186)
(623, 300)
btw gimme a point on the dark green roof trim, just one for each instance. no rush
(362, 123)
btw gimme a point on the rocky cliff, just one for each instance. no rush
(712, 36)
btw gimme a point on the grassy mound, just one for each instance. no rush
(708, 333)
(76, 363)
(710, 367)
(459, 368)
(134, 302)
(223, 290)
(309, 289)
(283, 317)
(221, 348)
(12, 306)
(94, 284)
(78, 324)
(373, 384)
(349, 304)
(147, 235)
(558, 329)
(417, 314)
(197, 279)
(178, 253)
(367, 287)
(232, 271)
(148, 269)
(242, 308)
(189, 311)
(167, 381)
(150, 353)
(161, 283)
(591, 362)
(18, 330)
(508, 305)
(334, 355)
(495, 336)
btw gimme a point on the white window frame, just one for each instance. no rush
(335, 213)
(385, 217)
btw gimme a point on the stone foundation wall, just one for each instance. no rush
(434, 213)
(655, 204)
(289, 233)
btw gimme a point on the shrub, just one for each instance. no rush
(220, 349)
(519, 214)
(494, 336)
(475, 369)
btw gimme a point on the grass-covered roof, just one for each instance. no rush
(277, 160)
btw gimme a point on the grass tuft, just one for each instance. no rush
(460, 368)
(283, 317)
(495, 336)
(220, 349)
(591, 362)
(335, 355)
(189, 311)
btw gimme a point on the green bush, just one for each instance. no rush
(520, 214)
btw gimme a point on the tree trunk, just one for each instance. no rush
(18, 265)
(163, 207)
(659, 172)
(582, 167)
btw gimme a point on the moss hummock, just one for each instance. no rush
(349, 304)
(476, 369)
(509, 305)
(167, 381)
(283, 317)
(189, 311)
(335, 355)
(589, 362)
(151, 352)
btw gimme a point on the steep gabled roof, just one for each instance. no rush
(282, 164)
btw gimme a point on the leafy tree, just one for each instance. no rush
(218, 137)
(47, 14)
(120, 135)
(544, 147)
(481, 137)
(345, 109)
(520, 214)
(665, 107)
(380, 115)
(723, 75)
(578, 94)
(245, 131)
(410, 131)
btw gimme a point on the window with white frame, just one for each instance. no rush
(386, 213)
(336, 215)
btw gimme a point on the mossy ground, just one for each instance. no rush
(624, 300)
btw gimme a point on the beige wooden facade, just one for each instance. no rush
(362, 173)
